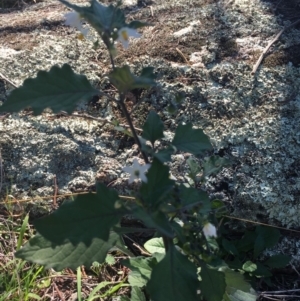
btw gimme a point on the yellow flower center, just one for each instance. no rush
(125, 35)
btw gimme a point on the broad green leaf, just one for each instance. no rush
(229, 247)
(155, 245)
(158, 186)
(261, 271)
(240, 296)
(156, 220)
(58, 89)
(141, 269)
(259, 245)
(269, 235)
(191, 197)
(278, 261)
(82, 220)
(103, 18)
(66, 255)
(153, 128)
(137, 294)
(237, 289)
(213, 165)
(164, 155)
(249, 266)
(125, 81)
(174, 278)
(194, 168)
(212, 283)
(109, 259)
(191, 140)
(247, 242)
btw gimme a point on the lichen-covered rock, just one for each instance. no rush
(204, 49)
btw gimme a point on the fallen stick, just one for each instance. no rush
(255, 67)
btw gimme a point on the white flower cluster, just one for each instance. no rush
(74, 19)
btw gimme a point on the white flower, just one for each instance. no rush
(124, 33)
(137, 171)
(209, 230)
(73, 19)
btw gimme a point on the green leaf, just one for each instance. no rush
(155, 219)
(174, 278)
(78, 233)
(213, 165)
(219, 208)
(261, 271)
(191, 140)
(137, 294)
(141, 269)
(158, 185)
(164, 155)
(249, 266)
(247, 242)
(191, 197)
(278, 261)
(59, 89)
(212, 283)
(109, 259)
(66, 255)
(270, 234)
(125, 81)
(155, 245)
(229, 247)
(194, 168)
(103, 18)
(237, 289)
(80, 221)
(153, 128)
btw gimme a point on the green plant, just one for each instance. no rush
(18, 279)
(80, 232)
(242, 254)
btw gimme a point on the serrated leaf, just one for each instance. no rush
(174, 278)
(58, 89)
(153, 128)
(137, 294)
(66, 255)
(191, 140)
(249, 266)
(158, 186)
(82, 220)
(278, 261)
(212, 284)
(125, 81)
(155, 245)
(141, 269)
(213, 165)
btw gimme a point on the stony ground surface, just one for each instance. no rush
(205, 49)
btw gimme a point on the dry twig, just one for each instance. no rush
(257, 64)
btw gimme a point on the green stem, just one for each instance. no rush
(128, 118)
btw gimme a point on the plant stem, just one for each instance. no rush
(128, 118)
